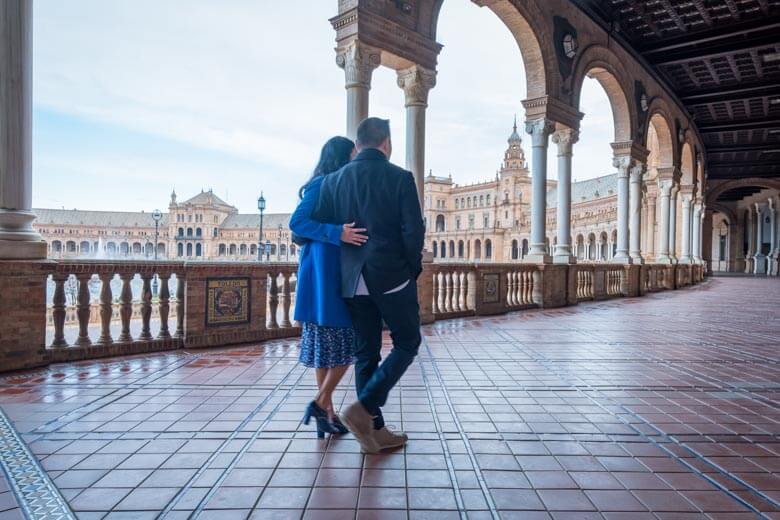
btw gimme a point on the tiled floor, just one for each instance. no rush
(660, 407)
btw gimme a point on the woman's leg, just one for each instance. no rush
(325, 395)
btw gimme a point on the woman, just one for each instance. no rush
(327, 337)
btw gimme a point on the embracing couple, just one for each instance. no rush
(360, 219)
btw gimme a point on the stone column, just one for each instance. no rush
(673, 223)
(696, 226)
(772, 263)
(565, 139)
(623, 165)
(759, 259)
(665, 186)
(18, 239)
(358, 61)
(635, 206)
(685, 249)
(651, 203)
(416, 82)
(540, 130)
(702, 217)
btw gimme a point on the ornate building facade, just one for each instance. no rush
(203, 227)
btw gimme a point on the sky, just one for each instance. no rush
(135, 98)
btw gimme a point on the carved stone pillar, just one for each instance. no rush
(759, 259)
(565, 139)
(635, 213)
(416, 82)
(358, 61)
(540, 130)
(685, 247)
(665, 187)
(673, 223)
(18, 239)
(696, 233)
(623, 164)
(650, 231)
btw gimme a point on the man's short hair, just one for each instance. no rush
(372, 132)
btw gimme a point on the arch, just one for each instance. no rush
(488, 249)
(189, 231)
(56, 246)
(592, 246)
(658, 134)
(443, 249)
(124, 248)
(198, 250)
(461, 249)
(232, 250)
(222, 250)
(253, 249)
(477, 250)
(604, 66)
(181, 232)
(763, 182)
(525, 247)
(283, 250)
(137, 248)
(111, 248)
(440, 224)
(84, 247)
(687, 165)
(604, 239)
(580, 247)
(452, 249)
(70, 246)
(435, 249)
(515, 250)
(273, 249)
(161, 250)
(198, 232)
(180, 250)
(189, 249)
(242, 250)
(148, 249)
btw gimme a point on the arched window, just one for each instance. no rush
(181, 232)
(111, 248)
(149, 249)
(242, 250)
(222, 250)
(198, 232)
(161, 250)
(488, 249)
(457, 204)
(443, 249)
(137, 248)
(440, 225)
(481, 200)
(180, 250)
(460, 249)
(70, 246)
(487, 200)
(84, 248)
(435, 249)
(477, 250)
(292, 249)
(189, 249)
(189, 231)
(253, 250)
(515, 251)
(452, 249)
(525, 247)
(283, 250)
(198, 250)
(232, 250)
(124, 248)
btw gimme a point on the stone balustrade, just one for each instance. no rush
(107, 308)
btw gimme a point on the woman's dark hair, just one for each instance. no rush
(336, 152)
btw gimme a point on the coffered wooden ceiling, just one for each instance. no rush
(721, 58)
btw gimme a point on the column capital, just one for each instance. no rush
(416, 81)
(539, 129)
(565, 138)
(665, 185)
(358, 61)
(637, 170)
(624, 164)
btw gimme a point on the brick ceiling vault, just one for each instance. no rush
(720, 57)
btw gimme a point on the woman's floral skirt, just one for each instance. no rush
(326, 347)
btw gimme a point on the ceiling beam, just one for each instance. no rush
(755, 90)
(698, 52)
(739, 164)
(744, 148)
(755, 124)
(716, 34)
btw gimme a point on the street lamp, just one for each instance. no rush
(261, 207)
(157, 216)
(279, 244)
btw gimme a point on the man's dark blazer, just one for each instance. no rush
(381, 197)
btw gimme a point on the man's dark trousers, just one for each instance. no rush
(401, 312)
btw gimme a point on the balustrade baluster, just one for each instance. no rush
(435, 293)
(125, 308)
(464, 289)
(273, 300)
(146, 308)
(509, 288)
(517, 287)
(165, 306)
(106, 309)
(529, 288)
(83, 310)
(456, 291)
(286, 300)
(590, 284)
(180, 281)
(58, 311)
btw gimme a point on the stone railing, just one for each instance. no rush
(106, 308)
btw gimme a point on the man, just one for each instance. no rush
(379, 279)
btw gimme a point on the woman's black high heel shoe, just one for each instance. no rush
(321, 416)
(338, 425)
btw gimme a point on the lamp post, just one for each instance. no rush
(279, 244)
(261, 207)
(157, 216)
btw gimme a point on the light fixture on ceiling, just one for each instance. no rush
(774, 101)
(768, 152)
(774, 131)
(772, 56)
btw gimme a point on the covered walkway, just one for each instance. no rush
(664, 406)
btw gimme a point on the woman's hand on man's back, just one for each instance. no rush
(352, 235)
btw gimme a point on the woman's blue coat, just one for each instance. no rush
(318, 291)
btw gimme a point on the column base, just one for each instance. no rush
(759, 264)
(621, 258)
(537, 258)
(637, 259)
(565, 259)
(22, 250)
(663, 259)
(686, 260)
